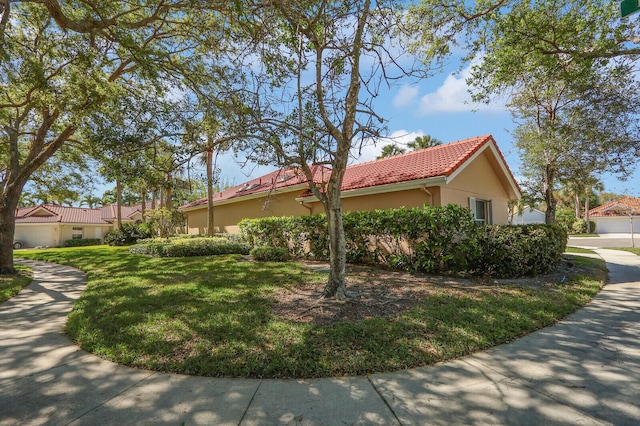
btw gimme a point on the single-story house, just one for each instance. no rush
(617, 217)
(472, 173)
(49, 225)
(528, 216)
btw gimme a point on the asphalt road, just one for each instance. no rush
(604, 241)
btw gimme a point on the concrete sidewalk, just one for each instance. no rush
(584, 370)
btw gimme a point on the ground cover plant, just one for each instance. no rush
(10, 285)
(629, 249)
(228, 316)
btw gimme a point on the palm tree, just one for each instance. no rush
(390, 151)
(422, 142)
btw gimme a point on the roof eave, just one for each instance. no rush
(383, 189)
(260, 194)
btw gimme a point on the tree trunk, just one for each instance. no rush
(153, 199)
(143, 205)
(169, 191)
(118, 204)
(210, 212)
(549, 198)
(7, 231)
(337, 252)
(586, 211)
(576, 199)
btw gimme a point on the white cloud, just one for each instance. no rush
(406, 96)
(454, 96)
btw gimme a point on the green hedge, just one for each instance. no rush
(429, 239)
(190, 247)
(78, 242)
(270, 254)
(514, 251)
(127, 235)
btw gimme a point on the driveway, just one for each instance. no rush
(583, 370)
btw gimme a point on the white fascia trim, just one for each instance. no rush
(383, 189)
(249, 197)
(503, 167)
(64, 224)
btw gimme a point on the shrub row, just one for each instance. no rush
(78, 242)
(127, 235)
(430, 239)
(270, 254)
(190, 247)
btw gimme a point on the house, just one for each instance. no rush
(471, 172)
(617, 217)
(528, 216)
(49, 225)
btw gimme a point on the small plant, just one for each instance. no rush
(270, 254)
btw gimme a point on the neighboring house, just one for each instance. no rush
(472, 173)
(48, 225)
(617, 217)
(528, 216)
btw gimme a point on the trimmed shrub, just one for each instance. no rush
(520, 250)
(565, 217)
(580, 226)
(270, 254)
(127, 235)
(189, 247)
(79, 242)
(428, 239)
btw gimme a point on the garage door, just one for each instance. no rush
(617, 225)
(33, 236)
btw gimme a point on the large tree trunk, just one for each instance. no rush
(153, 199)
(210, 212)
(7, 230)
(576, 199)
(143, 205)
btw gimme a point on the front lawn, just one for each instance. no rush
(10, 285)
(629, 249)
(215, 316)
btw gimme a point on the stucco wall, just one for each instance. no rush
(479, 180)
(227, 216)
(37, 235)
(88, 231)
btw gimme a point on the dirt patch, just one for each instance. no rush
(380, 293)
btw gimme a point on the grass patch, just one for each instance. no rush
(579, 250)
(583, 235)
(10, 285)
(629, 249)
(213, 316)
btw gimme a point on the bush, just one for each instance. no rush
(580, 226)
(78, 242)
(189, 247)
(429, 239)
(520, 250)
(565, 217)
(270, 254)
(127, 235)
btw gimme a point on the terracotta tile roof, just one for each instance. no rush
(279, 179)
(50, 213)
(621, 207)
(442, 160)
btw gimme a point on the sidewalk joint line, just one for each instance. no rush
(384, 400)
(250, 402)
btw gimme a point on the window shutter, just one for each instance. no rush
(472, 206)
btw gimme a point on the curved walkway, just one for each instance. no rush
(584, 370)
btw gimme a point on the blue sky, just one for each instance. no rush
(441, 107)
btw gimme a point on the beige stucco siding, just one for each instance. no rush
(88, 231)
(480, 181)
(227, 216)
(36, 235)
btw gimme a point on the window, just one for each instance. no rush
(481, 210)
(77, 233)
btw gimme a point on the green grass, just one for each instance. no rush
(213, 316)
(579, 250)
(629, 249)
(12, 284)
(583, 235)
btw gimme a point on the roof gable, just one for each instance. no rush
(621, 207)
